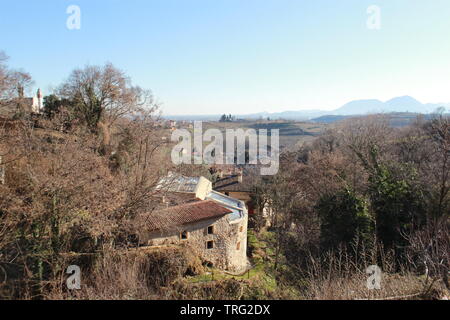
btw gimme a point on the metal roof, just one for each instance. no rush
(236, 206)
(178, 183)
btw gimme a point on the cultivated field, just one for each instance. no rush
(292, 134)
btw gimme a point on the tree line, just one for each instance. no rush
(365, 193)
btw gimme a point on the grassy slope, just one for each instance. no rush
(260, 281)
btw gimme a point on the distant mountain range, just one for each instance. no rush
(357, 107)
(399, 104)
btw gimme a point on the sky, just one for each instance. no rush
(240, 56)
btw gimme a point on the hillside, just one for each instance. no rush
(292, 134)
(396, 119)
(405, 104)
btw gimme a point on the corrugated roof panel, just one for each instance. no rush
(224, 199)
(178, 183)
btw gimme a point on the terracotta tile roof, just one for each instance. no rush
(175, 199)
(177, 216)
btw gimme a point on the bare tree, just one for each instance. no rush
(103, 94)
(13, 83)
(3, 73)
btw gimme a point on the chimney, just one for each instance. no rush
(164, 201)
(240, 175)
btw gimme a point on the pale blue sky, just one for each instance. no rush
(240, 56)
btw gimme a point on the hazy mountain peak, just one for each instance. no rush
(397, 104)
(403, 98)
(360, 107)
(403, 101)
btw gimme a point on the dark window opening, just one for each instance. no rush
(184, 235)
(210, 244)
(211, 230)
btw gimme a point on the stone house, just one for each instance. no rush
(206, 227)
(238, 184)
(234, 187)
(208, 222)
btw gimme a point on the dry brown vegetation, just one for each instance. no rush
(363, 194)
(64, 194)
(76, 179)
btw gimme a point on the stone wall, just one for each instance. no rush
(229, 251)
(243, 196)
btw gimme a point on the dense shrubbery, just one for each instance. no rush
(369, 192)
(344, 216)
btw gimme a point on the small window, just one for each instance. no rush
(210, 244)
(184, 235)
(211, 230)
(238, 246)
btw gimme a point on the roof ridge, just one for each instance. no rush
(192, 203)
(187, 213)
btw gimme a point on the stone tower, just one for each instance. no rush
(38, 102)
(40, 99)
